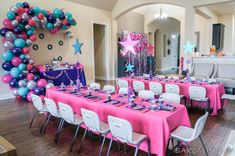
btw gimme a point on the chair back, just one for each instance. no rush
(199, 126)
(91, 120)
(123, 90)
(51, 107)
(171, 97)
(197, 93)
(122, 83)
(138, 86)
(172, 88)
(121, 129)
(146, 94)
(109, 88)
(66, 112)
(37, 102)
(174, 77)
(155, 87)
(95, 86)
(161, 76)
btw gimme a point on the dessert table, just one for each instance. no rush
(157, 124)
(214, 91)
(64, 75)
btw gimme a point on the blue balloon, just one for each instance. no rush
(17, 51)
(39, 90)
(22, 76)
(11, 15)
(22, 66)
(23, 91)
(19, 29)
(26, 5)
(7, 56)
(22, 56)
(7, 66)
(14, 83)
(19, 42)
(15, 72)
(36, 78)
(30, 32)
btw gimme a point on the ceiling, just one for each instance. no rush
(155, 8)
(223, 8)
(107, 5)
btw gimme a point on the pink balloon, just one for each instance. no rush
(23, 35)
(42, 97)
(29, 76)
(6, 78)
(25, 50)
(16, 61)
(4, 40)
(7, 24)
(29, 98)
(54, 31)
(42, 83)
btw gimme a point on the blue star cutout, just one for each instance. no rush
(188, 48)
(129, 67)
(77, 47)
(188, 61)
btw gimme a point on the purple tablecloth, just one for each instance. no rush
(65, 76)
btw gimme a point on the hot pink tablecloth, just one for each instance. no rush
(214, 91)
(156, 125)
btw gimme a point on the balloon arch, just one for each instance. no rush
(18, 34)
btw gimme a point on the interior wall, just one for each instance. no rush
(132, 22)
(227, 20)
(167, 27)
(83, 31)
(99, 50)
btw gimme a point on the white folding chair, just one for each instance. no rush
(68, 115)
(109, 88)
(155, 87)
(146, 94)
(138, 86)
(197, 93)
(122, 83)
(123, 90)
(39, 108)
(161, 76)
(122, 131)
(95, 86)
(53, 112)
(171, 97)
(174, 77)
(187, 134)
(93, 124)
(175, 89)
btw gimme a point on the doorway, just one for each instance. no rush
(100, 48)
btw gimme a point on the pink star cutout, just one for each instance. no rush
(150, 50)
(129, 45)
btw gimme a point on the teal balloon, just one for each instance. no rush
(44, 12)
(5, 72)
(49, 26)
(70, 19)
(19, 5)
(19, 42)
(21, 26)
(30, 32)
(23, 91)
(32, 28)
(15, 72)
(69, 15)
(64, 27)
(7, 56)
(11, 15)
(36, 10)
(22, 66)
(22, 56)
(57, 12)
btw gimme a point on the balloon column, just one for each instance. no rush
(18, 34)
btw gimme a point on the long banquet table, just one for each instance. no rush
(157, 125)
(214, 91)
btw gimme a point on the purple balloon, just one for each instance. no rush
(51, 18)
(31, 12)
(22, 76)
(39, 90)
(36, 78)
(25, 5)
(7, 65)
(62, 16)
(3, 32)
(14, 83)
(24, 22)
(18, 30)
(17, 51)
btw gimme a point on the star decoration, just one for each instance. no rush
(150, 50)
(129, 45)
(77, 47)
(188, 61)
(188, 48)
(129, 67)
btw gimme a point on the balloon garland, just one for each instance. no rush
(18, 35)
